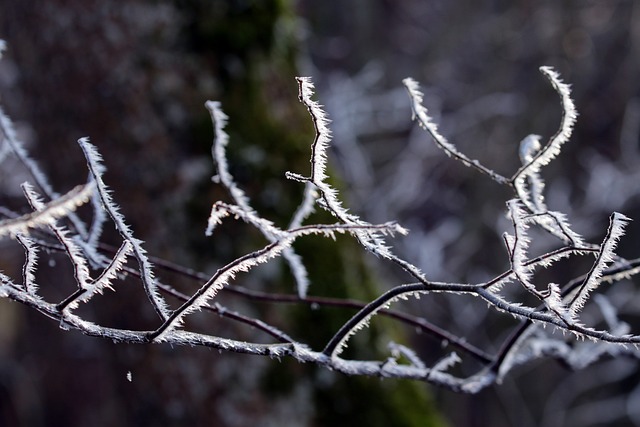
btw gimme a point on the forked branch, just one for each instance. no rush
(52, 225)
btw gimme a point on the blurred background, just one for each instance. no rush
(134, 76)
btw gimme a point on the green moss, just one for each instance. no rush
(375, 402)
(271, 133)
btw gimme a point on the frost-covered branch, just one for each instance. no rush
(49, 223)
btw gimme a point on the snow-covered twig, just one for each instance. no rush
(53, 225)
